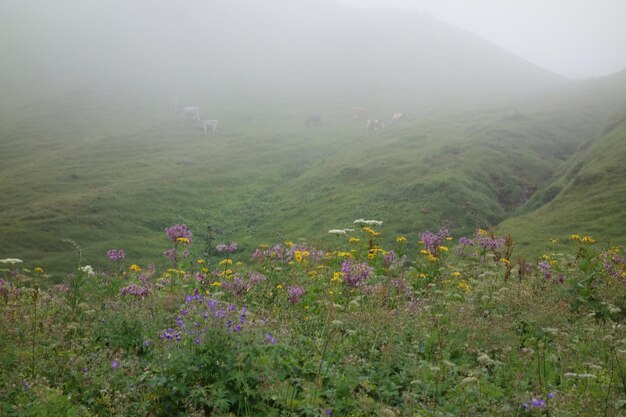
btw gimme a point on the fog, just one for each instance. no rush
(578, 39)
(271, 50)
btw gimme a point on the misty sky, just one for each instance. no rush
(575, 38)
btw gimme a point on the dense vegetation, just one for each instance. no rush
(430, 328)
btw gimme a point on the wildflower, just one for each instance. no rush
(538, 403)
(183, 240)
(337, 232)
(362, 222)
(178, 231)
(226, 262)
(116, 254)
(11, 261)
(256, 277)
(401, 239)
(270, 339)
(354, 240)
(135, 290)
(456, 274)
(200, 261)
(463, 285)
(216, 284)
(422, 275)
(115, 364)
(371, 231)
(466, 241)
(135, 268)
(587, 240)
(279, 286)
(432, 241)
(442, 248)
(344, 255)
(554, 241)
(312, 273)
(550, 395)
(39, 270)
(295, 293)
(300, 255)
(328, 411)
(87, 269)
(355, 274)
(226, 247)
(337, 276)
(171, 254)
(574, 237)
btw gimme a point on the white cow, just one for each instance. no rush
(374, 124)
(192, 112)
(209, 124)
(396, 117)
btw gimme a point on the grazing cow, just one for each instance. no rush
(360, 113)
(396, 117)
(209, 124)
(374, 124)
(314, 120)
(192, 112)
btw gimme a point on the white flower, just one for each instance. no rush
(87, 269)
(337, 232)
(11, 261)
(362, 222)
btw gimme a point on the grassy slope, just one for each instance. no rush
(587, 197)
(110, 172)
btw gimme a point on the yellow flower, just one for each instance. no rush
(371, 231)
(216, 284)
(226, 262)
(432, 258)
(505, 261)
(344, 255)
(422, 275)
(448, 238)
(200, 261)
(264, 246)
(354, 240)
(587, 239)
(401, 239)
(574, 237)
(39, 270)
(183, 240)
(205, 270)
(135, 268)
(300, 255)
(166, 275)
(424, 252)
(312, 273)
(554, 241)
(279, 286)
(443, 248)
(337, 277)
(456, 274)
(463, 285)
(289, 244)
(239, 263)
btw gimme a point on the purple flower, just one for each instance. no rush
(226, 247)
(256, 277)
(328, 411)
(538, 403)
(355, 274)
(546, 269)
(171, 255)
(295, 293)
(270, 339)
(135, 290)
(115, 364)
(236, 287)
(432, 240)
(466, 241)
(116, 254)
(550, 395)
(178, 231)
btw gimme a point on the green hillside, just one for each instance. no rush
(588, 196)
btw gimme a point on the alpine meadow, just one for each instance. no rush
(302, 208)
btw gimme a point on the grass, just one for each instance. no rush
(111, 169)
(354, 330)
